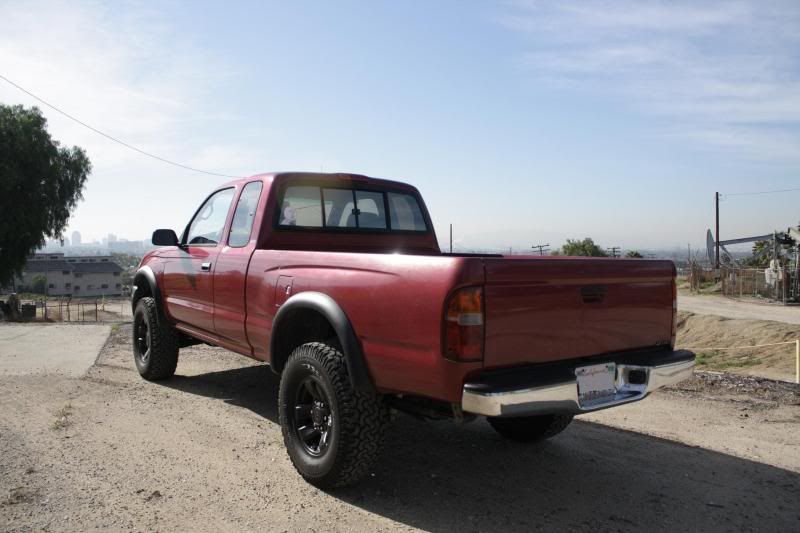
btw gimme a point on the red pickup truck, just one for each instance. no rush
(338, 283)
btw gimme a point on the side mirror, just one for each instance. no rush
(165, 237)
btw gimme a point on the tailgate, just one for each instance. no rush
(549, 309)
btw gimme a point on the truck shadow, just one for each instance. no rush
(441, 477)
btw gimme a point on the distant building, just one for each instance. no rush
(127, 247)
(76, 238)
(87, 276)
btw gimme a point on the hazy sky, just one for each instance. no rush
(521, 122)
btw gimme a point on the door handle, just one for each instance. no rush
(205, 267)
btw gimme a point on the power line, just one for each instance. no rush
(107, 136)
(542, 248)
(759, 192)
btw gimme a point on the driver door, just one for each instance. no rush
(189, 278)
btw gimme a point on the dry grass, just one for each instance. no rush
(19, 495)
(700, 332)
(62, 417)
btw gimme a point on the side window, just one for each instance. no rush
(301, 207)
(207, 226)
(405, 213)
(242, 224)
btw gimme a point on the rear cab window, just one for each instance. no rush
(349, 209)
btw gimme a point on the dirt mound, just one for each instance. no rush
(702, 333)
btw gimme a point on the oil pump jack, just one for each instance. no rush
(718, 255)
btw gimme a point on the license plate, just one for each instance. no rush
(596, 383)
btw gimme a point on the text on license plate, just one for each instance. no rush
(596, 382)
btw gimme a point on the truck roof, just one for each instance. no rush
(279, 177)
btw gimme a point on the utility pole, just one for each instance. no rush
(451, 238)
(542, 248)
(716, 237)
(614, 251)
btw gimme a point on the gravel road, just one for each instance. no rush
(203, 452)
(721, 306)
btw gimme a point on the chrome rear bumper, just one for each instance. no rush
(512, 396)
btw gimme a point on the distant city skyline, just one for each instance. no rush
(520, 122)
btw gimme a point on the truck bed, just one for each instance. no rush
(537, 309)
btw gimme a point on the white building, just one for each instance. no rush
(78, 276)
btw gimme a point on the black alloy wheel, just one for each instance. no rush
(312, 418)
(142, 340)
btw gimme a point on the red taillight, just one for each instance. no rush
(674, 313)
(463, 335)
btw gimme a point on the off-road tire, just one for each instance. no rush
(530, 428)
(155, 348)
(358, 419)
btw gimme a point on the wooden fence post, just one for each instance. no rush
(797, 361)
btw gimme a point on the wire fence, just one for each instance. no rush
(774, 285)
(71, 310)
(698, 276)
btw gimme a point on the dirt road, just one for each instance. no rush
(203, 452)
(718, 305)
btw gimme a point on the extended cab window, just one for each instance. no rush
(405, 212)
(301, 207)
(245, 213)
(208, 223)
(329, 207)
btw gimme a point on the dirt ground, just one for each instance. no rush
(709, 304)
(203, 452)
(702, 332)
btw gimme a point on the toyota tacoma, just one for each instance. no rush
(337, 282)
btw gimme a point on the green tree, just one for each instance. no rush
(38, 284)
(40, 184)
(585, 248)
(762, 252)
(633, 254)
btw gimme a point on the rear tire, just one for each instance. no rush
(530, 428)
(155, 342)
(332, 432)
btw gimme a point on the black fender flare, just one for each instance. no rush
(145, 277)
(328, 308)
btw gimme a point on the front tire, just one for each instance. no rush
(530, 428)
(155, 342)
(332, 432)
